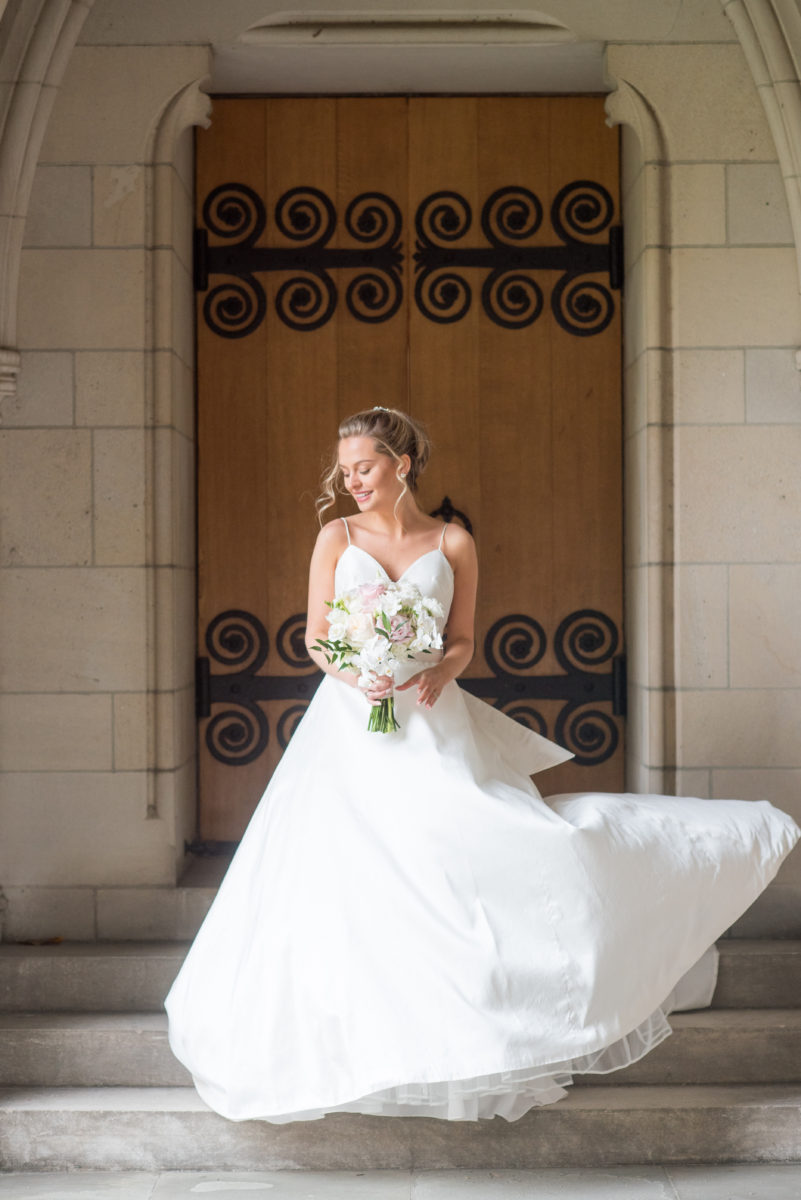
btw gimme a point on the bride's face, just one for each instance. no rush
(370, 477)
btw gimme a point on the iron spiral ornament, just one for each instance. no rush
(238, 736)
(513, 298)
(288, 722)
(305, 214)
(589, 732)
(290, 642)
(526, 714)
(514, 644)
(235, 309)
(585, 638)
(581, 210)
(237, 638)
(442, 217)
(306, 302)
(511, 214)
(374, 219)
(235, 211)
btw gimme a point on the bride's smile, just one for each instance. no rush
(374, 480)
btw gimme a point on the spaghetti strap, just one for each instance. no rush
(442, 535)
(344, 521)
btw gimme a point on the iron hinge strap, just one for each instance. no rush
(202, 687)
(200, 260)
(619, 687)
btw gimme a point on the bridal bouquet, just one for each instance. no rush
(373, 628)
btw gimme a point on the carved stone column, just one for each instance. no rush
(36, 40)
(770, 35)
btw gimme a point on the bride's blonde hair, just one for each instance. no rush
(395, 433)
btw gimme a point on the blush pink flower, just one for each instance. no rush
(370, 592)
(401, 629)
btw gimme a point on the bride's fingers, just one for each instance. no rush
(401, 687)
(427, 692)
(379, 689)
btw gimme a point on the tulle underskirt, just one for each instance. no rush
(507, 1094)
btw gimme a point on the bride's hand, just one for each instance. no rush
(380, 688)
(429, 684)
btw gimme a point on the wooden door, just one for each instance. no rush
(456, 257)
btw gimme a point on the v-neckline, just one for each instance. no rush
(436, 550)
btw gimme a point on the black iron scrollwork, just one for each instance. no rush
(510, 294)
(585, 643)
(238, 641)
(288, 723)
(514, 644)
(448, 513)
(291, 642)
(239, 734)
(307, 298)
(235, 212)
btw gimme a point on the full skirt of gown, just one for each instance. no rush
(409, 928)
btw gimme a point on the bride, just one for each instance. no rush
(408, 927)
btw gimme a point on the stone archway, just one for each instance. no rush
(37, 38)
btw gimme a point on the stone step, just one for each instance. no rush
(719, 1046)
(88, 976)
(707, 1046)
(758, 973)
(136, 976)
(88, 1050)
(171, 1129)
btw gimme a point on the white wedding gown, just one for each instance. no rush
(409, 928)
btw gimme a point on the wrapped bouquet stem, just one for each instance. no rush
(376, 627)
(382, 716)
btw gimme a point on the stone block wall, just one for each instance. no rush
(713, 430)
(97, 540)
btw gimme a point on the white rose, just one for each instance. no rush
(409, 592)
(390, 603)
(337, 623)
(360, 629)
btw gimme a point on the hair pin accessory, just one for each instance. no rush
(380, 408)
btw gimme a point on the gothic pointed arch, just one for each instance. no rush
(770, 36)
(36, 40)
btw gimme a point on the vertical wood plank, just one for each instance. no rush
(233, 430)
(444, 357)
(587, 427)
(371, 158)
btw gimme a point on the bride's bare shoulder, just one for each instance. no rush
(458, 540)
(332, 538)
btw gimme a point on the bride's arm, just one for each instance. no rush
(331, 541)
(460, 627)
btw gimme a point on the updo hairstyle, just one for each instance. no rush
(395, 433)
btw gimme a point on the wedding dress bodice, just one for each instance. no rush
(430, 571)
